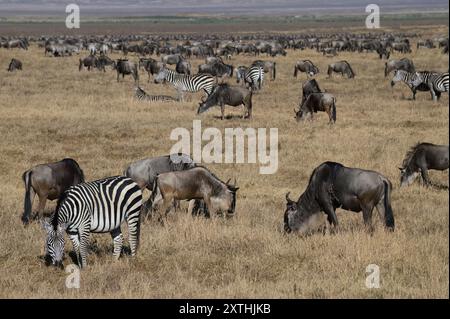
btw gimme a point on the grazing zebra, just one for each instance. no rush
(437, 82)
(253, 76)
(186, 83)
(94, 207)
(411, 80)
(141, 95)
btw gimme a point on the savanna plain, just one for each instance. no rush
(50, 111)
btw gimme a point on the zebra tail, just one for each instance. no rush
(26, 177)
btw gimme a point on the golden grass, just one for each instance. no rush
(50, 111)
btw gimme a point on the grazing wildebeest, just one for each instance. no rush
(268, 67)
(88, 62)
(305, 66)
(342, 67)
(123, 66)
(310, 86)
(103, 61)
(49, 181)
(14, 65)
(196, 183)
(183, 67)
(419, 159)
(323, 102)
(144, 172)
(332, 186)
(224, 94)
(404, 64)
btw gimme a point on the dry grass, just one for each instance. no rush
(50, 111)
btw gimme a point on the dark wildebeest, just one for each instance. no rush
(224, 94)
(123, 66)
(268, 67)
(342, 67)
(305, 66)
(323, 102)
(196, 183)
(419, 159)
(14, 65)
(332, 186)
(183, 67)
(144, 172)
(49, 181)
(171, 59)
(404, 64)
(310, 86)
(218, 69)
(151, 66)
(103, 61)
(88, 62)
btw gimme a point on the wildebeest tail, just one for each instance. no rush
(388, 214)
(26, 177)
(80, 66)
(333, 110)
(274, 70)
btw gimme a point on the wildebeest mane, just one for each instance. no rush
(77, 167)
(348, 64)
(410, 154)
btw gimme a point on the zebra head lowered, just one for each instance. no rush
(54, 244)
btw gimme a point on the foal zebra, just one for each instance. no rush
(437, 82)
(411, 79)
(186, 83)
(94, 207)
(141, 95)
(252, 76)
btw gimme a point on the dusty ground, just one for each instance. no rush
(50, 110)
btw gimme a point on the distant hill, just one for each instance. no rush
(222, 7)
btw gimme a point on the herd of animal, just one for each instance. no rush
(103, 205)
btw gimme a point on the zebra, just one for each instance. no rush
(186, 83)
(411, 79)
(253, 76)
(94, 207)
(437, 82)
(141, 95)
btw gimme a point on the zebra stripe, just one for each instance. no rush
(96, 207)
(189, 83)
(141, 95)
(252, 76)
(437, 82)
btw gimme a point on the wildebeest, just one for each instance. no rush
(305, 66)
(15, 64)
(404, 64)
(151, 66)
(342, 67)
(224, 94)
(419, 159)
(217, 69)
(183, 67)
(88, 62)
(171, 59)
(196, 183)
(49, 181)
(103, 61)
(268, 67)
(310, 86)
(315, 102)
(332, 186)
(144, 172)
(123, 66)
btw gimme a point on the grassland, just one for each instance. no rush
(50, 110)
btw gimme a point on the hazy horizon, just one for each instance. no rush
(230, 7)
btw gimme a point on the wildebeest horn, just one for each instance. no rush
(287, 198)
(400, 168)
(228, 181)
